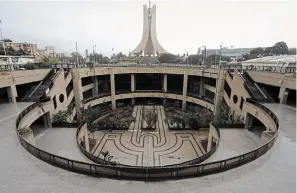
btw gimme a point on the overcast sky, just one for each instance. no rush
(181, 24)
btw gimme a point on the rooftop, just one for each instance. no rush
(282, 59)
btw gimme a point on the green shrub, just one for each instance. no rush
(61, 117)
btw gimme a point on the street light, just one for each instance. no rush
(221, 47)
(203, 55)
(2, 39)
(4, 47)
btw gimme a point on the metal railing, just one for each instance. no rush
(186, 163)
(146, 173)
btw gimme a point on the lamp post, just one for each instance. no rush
(3, 43)
(76, 55)
(203, 55)
(221, 47)
(2, 39)
(113, 56)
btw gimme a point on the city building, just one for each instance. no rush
(16, 60)
(233, 53)
(29, 48)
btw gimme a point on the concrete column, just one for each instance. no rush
(249, 120)
(201, 87)
(283, 95)
(209, 140)
(133, 87)
(165, 83)
(12, 94)
(86, 137)
(132, 82)
(95, 89)
(77, 90)
(112, 89)
(185, 88)
(219, 95)
(164, 87)
(212, 134)
(47, 120)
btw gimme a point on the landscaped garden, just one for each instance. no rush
(197, 117)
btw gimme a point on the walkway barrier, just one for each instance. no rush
(186, 163)
(145, 173)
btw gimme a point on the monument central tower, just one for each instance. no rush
(149, 45)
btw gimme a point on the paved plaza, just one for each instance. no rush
(23, 173)
(150, 148)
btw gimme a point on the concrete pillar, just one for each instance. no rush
(132, 82)
(219, 95)
(283, 95)
(211, 135)
(164, 87)
(165, 83)
(249, 120)
(209, 140)
(95, 89)
(86, 137)
(47, 120)
(185, 88)
(112, 89)
(133, 87)
(12, 93)
(201, 87)
(77, 90)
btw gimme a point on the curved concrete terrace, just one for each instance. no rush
(273, 172)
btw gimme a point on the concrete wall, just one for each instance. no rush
(22, 77)
(59, 92)
(237, 88)
(274, 79)
(34, 114)
(260, 115)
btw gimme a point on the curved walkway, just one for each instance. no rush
(271, 173)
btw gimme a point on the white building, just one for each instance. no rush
(16, 60)
(277, 62)
(233, 53)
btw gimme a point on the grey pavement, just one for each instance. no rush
(234, 142)
(272, 173)
(62, 142)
